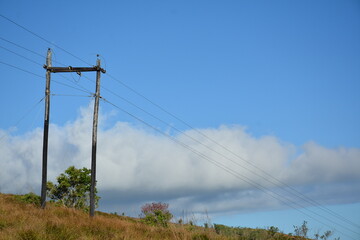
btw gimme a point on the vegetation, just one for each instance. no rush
(27, 221)
(29, 198)
(72, 189)
(271, 233)
(22, 218)
(303, 230)
(156, 214)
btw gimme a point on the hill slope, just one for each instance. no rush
(19, 220)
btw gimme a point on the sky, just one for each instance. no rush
(244, 112)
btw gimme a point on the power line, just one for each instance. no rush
(236, 174)
(22, 56)
(69, 95)
(164, 110)
(296, 194)
(42, 38)
(38, 54)
(150, 115)
(29, 50)
(227, 159)
(284, 186)
(37, 75)
(82, 87)
(40, 64)
(133, 105)
(25, 115)
(21, 69)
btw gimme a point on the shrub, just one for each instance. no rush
(29, 198)
(228, 231)
(156, 214)
(272, 230)
(302, 230)
(72, 189)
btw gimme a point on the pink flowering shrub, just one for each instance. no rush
(156, 214)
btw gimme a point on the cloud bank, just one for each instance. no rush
(136, 165)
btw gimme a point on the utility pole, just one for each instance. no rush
(50, 69)
(94, 141)
(46, 131)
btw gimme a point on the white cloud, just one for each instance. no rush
(136, 166)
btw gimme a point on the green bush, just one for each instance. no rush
(272, 230)
(156, 214)
(31, 198)
(228, 231)
(72, 189)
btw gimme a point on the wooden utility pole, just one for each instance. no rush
(46, 131)
(50, 69)
(94, 140)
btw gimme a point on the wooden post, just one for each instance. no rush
(94, 140)
(46, 131)
(50, 69)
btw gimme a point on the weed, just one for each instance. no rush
(28, 235)
(3, 225)
(59, 232)
(201, 236)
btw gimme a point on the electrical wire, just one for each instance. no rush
(237, 174)
(21, 69)
(226, 157)
(37, 75)
(30, 60)
(69, 95)
(38, 54)
(107, 90)
(164, 110)
(275, 181)
(29, 50)
(77, 83)
(45, 40)
(22, 56)
(24, 116)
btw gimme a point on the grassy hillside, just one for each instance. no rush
(20, 220)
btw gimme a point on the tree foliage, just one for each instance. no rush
(72, 189)
(156, 214)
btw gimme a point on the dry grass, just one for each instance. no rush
(29, 222)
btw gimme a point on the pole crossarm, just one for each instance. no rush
(74, 69)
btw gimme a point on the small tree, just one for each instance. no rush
(156, 214)
(302, 230)
(272, 230)
(326, 235)
(72, 189)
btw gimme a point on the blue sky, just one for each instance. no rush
(276, 81)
